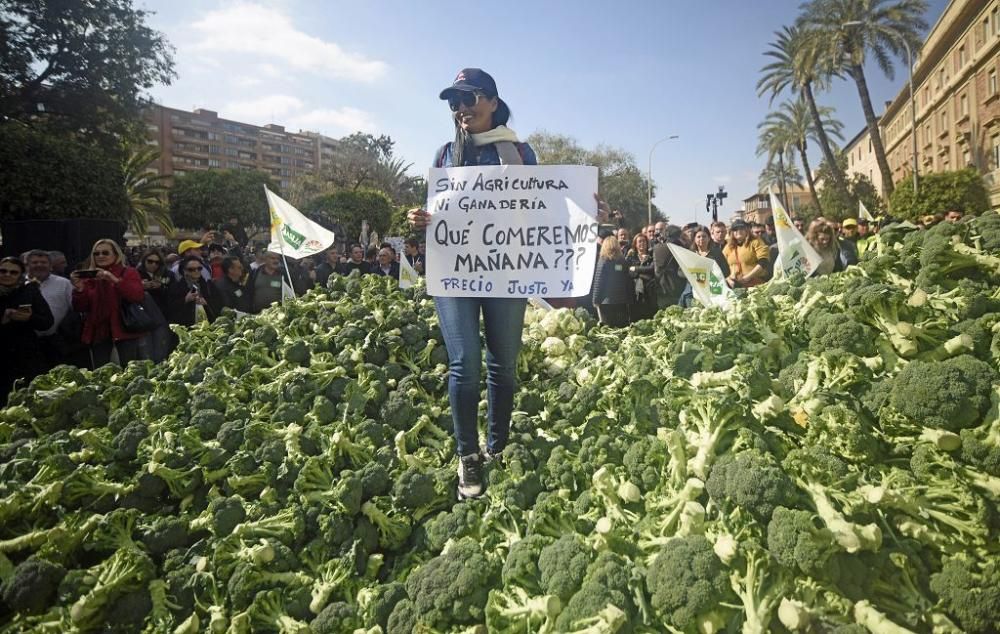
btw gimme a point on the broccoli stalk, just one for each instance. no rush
(330, 578)
(286, 525)
(851, 537)
(393, 528)
(268, 613)
(610, 619)
(759, 587)
(512, 609)
(708, 420)
(343, 448)
(614, 495)
(866, 615)
(127, 569)
(665, 513)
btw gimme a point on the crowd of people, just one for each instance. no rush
(118, 304)
(56, 314)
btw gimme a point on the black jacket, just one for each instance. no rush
(393, 270)
(19, 345)
(233, 295)
(667, 273)
(183, 313)
(715, 253)
(612, 284)
(351, 265)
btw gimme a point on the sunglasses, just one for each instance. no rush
(192, 270)
(9, 272)
(152, 261)
(103, 252)
(467, 99)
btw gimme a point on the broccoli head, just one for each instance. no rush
(376, 603)
(607, 583)
(829, 331)
(521, 566)
(952, 394)
(335, 618)
(752, 481)
(970, 591)
(562, 565)
(686, 581)
(452, 588)
(33, 586)
(797, 542)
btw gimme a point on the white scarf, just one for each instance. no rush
(499, 133)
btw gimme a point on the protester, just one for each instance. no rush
(357, 261)
(669, 279)
(58, 259)
(156, 281)
(411, 251)
(643, 270)
(265, 282)
(24, 312)
(800, 226)
(481, 138)
(849, 241)
(624, 240)
(57, 291)
(329, 265)
(192, 299)
(613, 292)
(215, 254)
(757, 231)
(233, 290)
(747, 257)
(703, 245)
(190, 248)
(822, 237)
(100, 291)
(386, 264)
(954, 215)
(718, 233)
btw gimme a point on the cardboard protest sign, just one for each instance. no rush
(511, 231)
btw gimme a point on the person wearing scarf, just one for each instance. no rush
(23, 310)
(100, 297)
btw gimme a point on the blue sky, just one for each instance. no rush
(619, 73)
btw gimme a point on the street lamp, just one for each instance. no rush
(649, 178)
(913, 102)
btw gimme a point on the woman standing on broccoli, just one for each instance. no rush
(481, 138)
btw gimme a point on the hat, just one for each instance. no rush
(849, 222)
(188, 244)
(863, 221)
(471, 79)
(738, 224)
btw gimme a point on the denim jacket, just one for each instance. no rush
(484, 155)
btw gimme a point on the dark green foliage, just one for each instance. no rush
(939, 192)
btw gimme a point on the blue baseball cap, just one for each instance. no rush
(469, 80)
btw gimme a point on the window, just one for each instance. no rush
(995, 20)
(940, 82)
(232, 165)
(214, 163)
(995, 154)
(214, 149)
(944, 121)
(986, 30)
(963, 105)
(927, 134)
(966, 158)
(993, 82)
(927, 95)
(961, 58)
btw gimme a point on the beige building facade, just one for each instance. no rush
(957, 100)
(861, 159)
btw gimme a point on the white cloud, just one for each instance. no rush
(334, 121)
(262, 110)
(255, 30)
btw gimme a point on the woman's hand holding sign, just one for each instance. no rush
(418, 217)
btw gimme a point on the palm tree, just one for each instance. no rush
(774, 142)
(796, 123)
(145, 191)
(793, 67)
(778, 176)
(845, 32)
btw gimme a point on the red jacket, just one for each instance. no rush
(101, 301)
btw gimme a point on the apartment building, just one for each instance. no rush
(957, 100)
(861, 159)
(201, 140)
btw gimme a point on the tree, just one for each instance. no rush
(777, 175)
(80, 66)
(845, 32)
(145, 191)
(349, 207)
(774, 141)
(797, 125)
(48, 174)
(795, 66)
(621, 182)
(212, 197)
(939, 192)
(837, 205)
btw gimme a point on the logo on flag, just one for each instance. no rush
(704, 275)
(292, 234)
(794, 252)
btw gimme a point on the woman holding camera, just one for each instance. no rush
(23, 311)
(156, 280)
(99, 292)
(192, 299)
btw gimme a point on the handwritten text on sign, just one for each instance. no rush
(511, 231)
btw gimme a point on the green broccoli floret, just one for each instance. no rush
(376, 603)
(608, 582)
(164, 534)
(846, 433)
(562, 565)
(981, 449)
(126, 570)
(687, 581)
(752, 481)
(930, 464)
(247, 581)
(512, 610)
(413, 489)
(554, 515)
(298, 353)
(463, 520)
(269, 612)
(208, 422)
(561, 470)
(130, 612)
(452, 588)
(952, 394)
(126, 442)
(393, 526)
(375, 480)
(206, 400)
(404, 618)
(397, 411)
(335, 618)
(33, 586)
(646, 460)
(987, 227)
(221, 517)
(798, 542)
(829, 331)
(970, 591)
(521, 566)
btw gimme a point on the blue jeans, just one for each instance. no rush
(504, 320)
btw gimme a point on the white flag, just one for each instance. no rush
(863, 213)
(705, 276)
(796, 253)
(292, 234)
(540, 303)
(407, 274)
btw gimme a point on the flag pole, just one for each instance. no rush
(281, 247)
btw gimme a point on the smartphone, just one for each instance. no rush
(24, 307)
(85, 273)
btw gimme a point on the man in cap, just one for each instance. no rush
(191, 248)
(849, 241)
